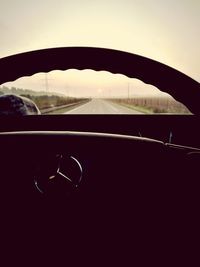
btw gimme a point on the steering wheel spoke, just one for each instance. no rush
(67, 176)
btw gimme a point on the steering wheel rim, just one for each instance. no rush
(167, 79)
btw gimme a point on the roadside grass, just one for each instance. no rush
(138, 108)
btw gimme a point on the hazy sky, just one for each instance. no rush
(167, 31)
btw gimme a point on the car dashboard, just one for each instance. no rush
(114, 180)
(109, 180)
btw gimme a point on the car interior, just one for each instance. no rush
(114, 180)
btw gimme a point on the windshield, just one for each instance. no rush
(166, 31)
(91, 92)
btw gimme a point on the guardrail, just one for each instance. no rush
(48, 110)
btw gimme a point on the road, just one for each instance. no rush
(100, 106)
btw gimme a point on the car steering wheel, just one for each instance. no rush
(169, 80)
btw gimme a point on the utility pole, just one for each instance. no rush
(128, 91)
(46, 80)
(67, 90)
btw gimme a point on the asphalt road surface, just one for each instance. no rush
(100, 106)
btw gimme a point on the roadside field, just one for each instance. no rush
(153, 104)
